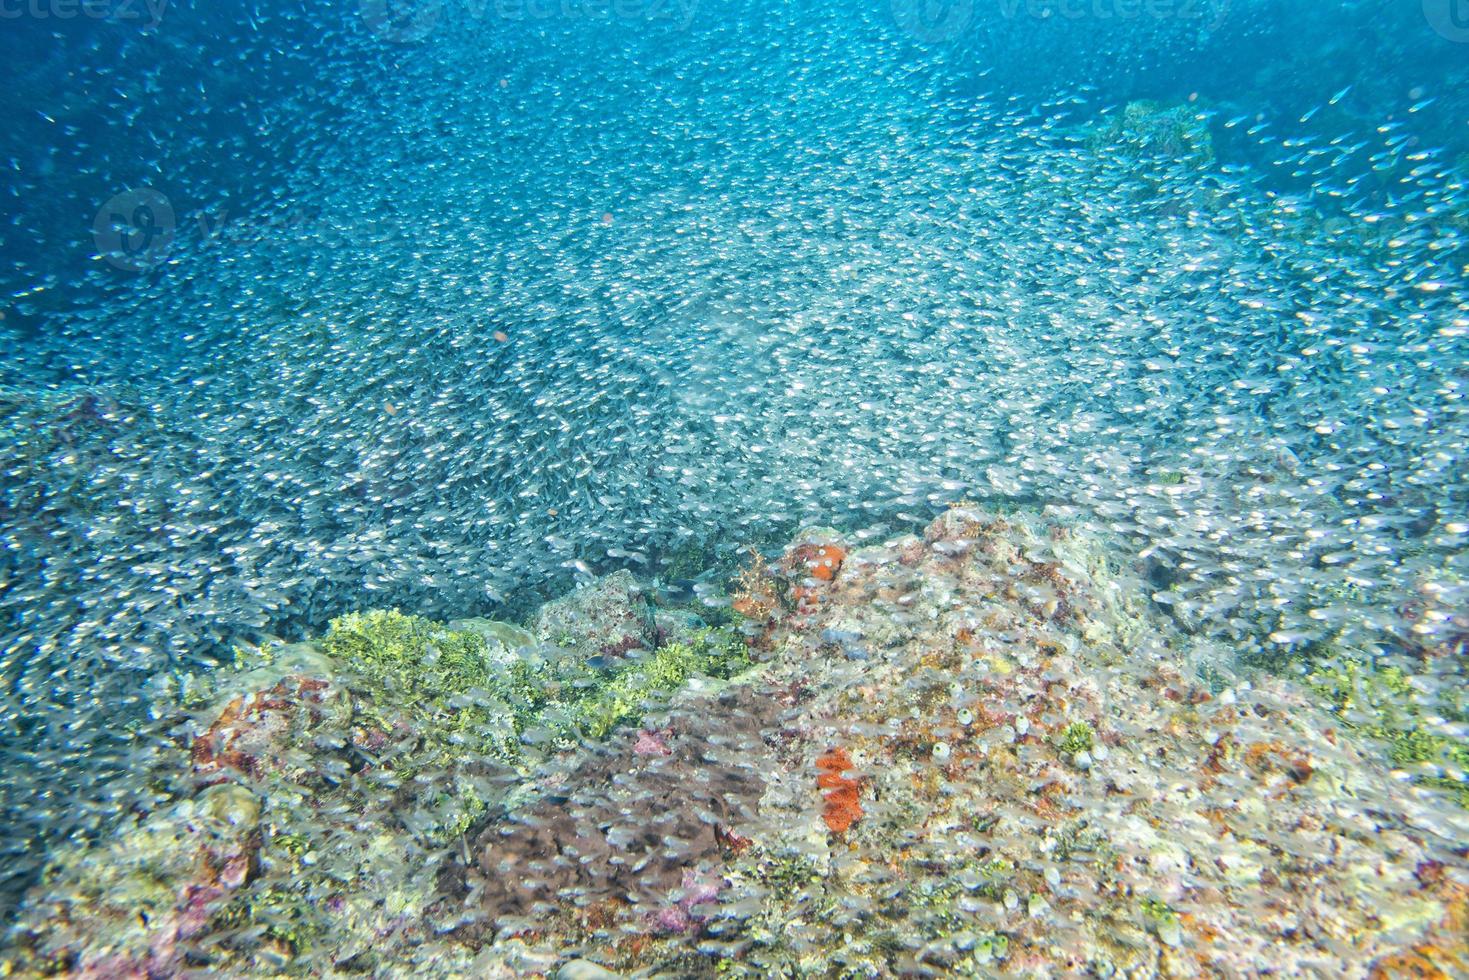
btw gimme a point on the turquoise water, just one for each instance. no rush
(452, 306)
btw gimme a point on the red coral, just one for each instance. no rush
(730, 843)
(622, 647)
(843, 807)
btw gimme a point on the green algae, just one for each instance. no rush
(1161, 920)
(1377, 702)
(1156, 910)
(994, 877)
(465, 701)
(1456, 789)
(444, 687)
(287, 916)
(387, 646)
(508, 635)
(989, 947)
(1076, 737)
(621, 699)
(788, 872)
(293, 844)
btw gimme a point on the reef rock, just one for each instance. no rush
(970, 752)
(609, 617)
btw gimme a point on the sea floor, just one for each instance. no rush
(974, 751)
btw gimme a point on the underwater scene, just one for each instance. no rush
(691, 488)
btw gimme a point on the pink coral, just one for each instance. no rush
(696, 889)
(671, 919)
(651, 743)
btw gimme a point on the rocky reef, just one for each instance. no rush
(973, 752)
(1179, 132)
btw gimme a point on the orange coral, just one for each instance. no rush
(834, 760)
(842, 808)
(829, 558)
(751, 607)
(1417, 962)
(807, 600)
(1444, 953)
(842, 805)
(1257, 756)
(1266, 757)
(820, 561)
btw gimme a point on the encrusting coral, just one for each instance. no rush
(843, 806)
(969, 752)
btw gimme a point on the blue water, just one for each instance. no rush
(310, 308)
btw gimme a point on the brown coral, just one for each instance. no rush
(624, 826)
(755, 596)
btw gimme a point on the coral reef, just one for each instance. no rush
(1178, 132)
(316, 790)
(618, 835)
(968, 752)
(610, 617)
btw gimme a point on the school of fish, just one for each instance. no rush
(636, 286)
